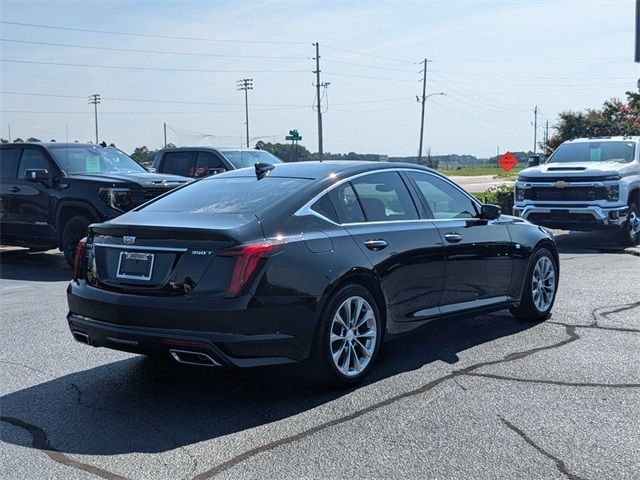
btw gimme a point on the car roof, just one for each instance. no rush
(51, 144)
(320, 170)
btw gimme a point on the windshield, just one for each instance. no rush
(94, 160)
(247, 158)
(585, 152)
(228, 195)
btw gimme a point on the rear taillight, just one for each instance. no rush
(79, 260)
(247, 259)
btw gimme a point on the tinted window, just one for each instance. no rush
(208, 163)
(8, 162)
(94, 160)
(325, 208)
(443, 199)
(223, 194)
(384, 197)
(32, 159)
(346, 204)
(594, 152)
(248, 158)
(179, 163)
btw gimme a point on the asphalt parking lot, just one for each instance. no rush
(485, 397)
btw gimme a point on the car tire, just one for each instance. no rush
(626, 236)
(74, 230)
(540, 288)
(348, 338)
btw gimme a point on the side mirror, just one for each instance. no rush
(490, 212)
(37, 175)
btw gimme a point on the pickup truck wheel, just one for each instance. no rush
(74, 230)
(630, 232)
(540, 286)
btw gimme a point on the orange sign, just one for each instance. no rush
(507, 161)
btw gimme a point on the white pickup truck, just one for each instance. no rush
(586, 184)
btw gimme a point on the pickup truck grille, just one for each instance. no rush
(142, 195)
(567, 194)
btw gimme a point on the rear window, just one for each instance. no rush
(8, 162)
(179, 163)
(229, 195)
(248, 158)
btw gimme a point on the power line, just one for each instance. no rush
(146, 35)
(376, 67)
(132, 67)
(367, 77)
(194, 102)
(370, 55)
(155, 52)
(527, 77)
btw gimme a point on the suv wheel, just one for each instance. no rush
(74, 230)
(630, 231)
(348, 339)
(540, 288)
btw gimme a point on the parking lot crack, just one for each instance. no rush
(572, 336)
(560, 465)
(40, 441)
(554, 382)
(183, 449)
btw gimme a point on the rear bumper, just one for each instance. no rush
(245, 334)
(573, 217)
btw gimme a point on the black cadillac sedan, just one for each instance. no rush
(315, 262)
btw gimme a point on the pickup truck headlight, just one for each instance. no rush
(116, 198)
(613, 193)
(519, 193)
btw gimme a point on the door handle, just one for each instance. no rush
(452, 237)
(14, 189)
(376, 245)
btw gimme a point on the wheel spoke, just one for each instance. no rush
(356, 361)
(367, 316)
(364, 349)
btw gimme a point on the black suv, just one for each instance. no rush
(204, 161)
(51, 192)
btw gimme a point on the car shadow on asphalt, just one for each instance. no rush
(34, 267)
(142, 405)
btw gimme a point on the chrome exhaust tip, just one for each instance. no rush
(193, 358)
(81, 337)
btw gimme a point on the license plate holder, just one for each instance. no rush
(560, 215)
(135, 265)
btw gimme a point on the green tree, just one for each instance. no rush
(4, 140)
(33, 139)
(614, 118)
(144, 156)
(284, 151)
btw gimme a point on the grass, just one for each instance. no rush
(477, 171)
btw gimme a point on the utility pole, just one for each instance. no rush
(546, 135)
(95, 100)
(535, 129)
(9, 133)
(319, 100)
(246, 84)
(423, 100)
(165, 134)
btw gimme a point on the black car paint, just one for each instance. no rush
(32, 213)
(275, 320)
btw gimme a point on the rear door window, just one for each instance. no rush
(179, 163)
(346, 204)
(208, 163)
(384, 197)
(8, 162)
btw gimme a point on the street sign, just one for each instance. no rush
(507, 161)
(293, 135)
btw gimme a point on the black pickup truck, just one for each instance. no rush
(51, 192)
(204, 161)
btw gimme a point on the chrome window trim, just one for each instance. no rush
(139, 247)
(307, 210)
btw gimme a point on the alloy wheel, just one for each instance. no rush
(353, 336)
(543, 284)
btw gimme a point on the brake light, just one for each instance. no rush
(247, 259)
(79, 260)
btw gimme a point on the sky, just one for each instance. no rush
(178, 62)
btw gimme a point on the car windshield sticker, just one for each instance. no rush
(595, 154)
(92, 163)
